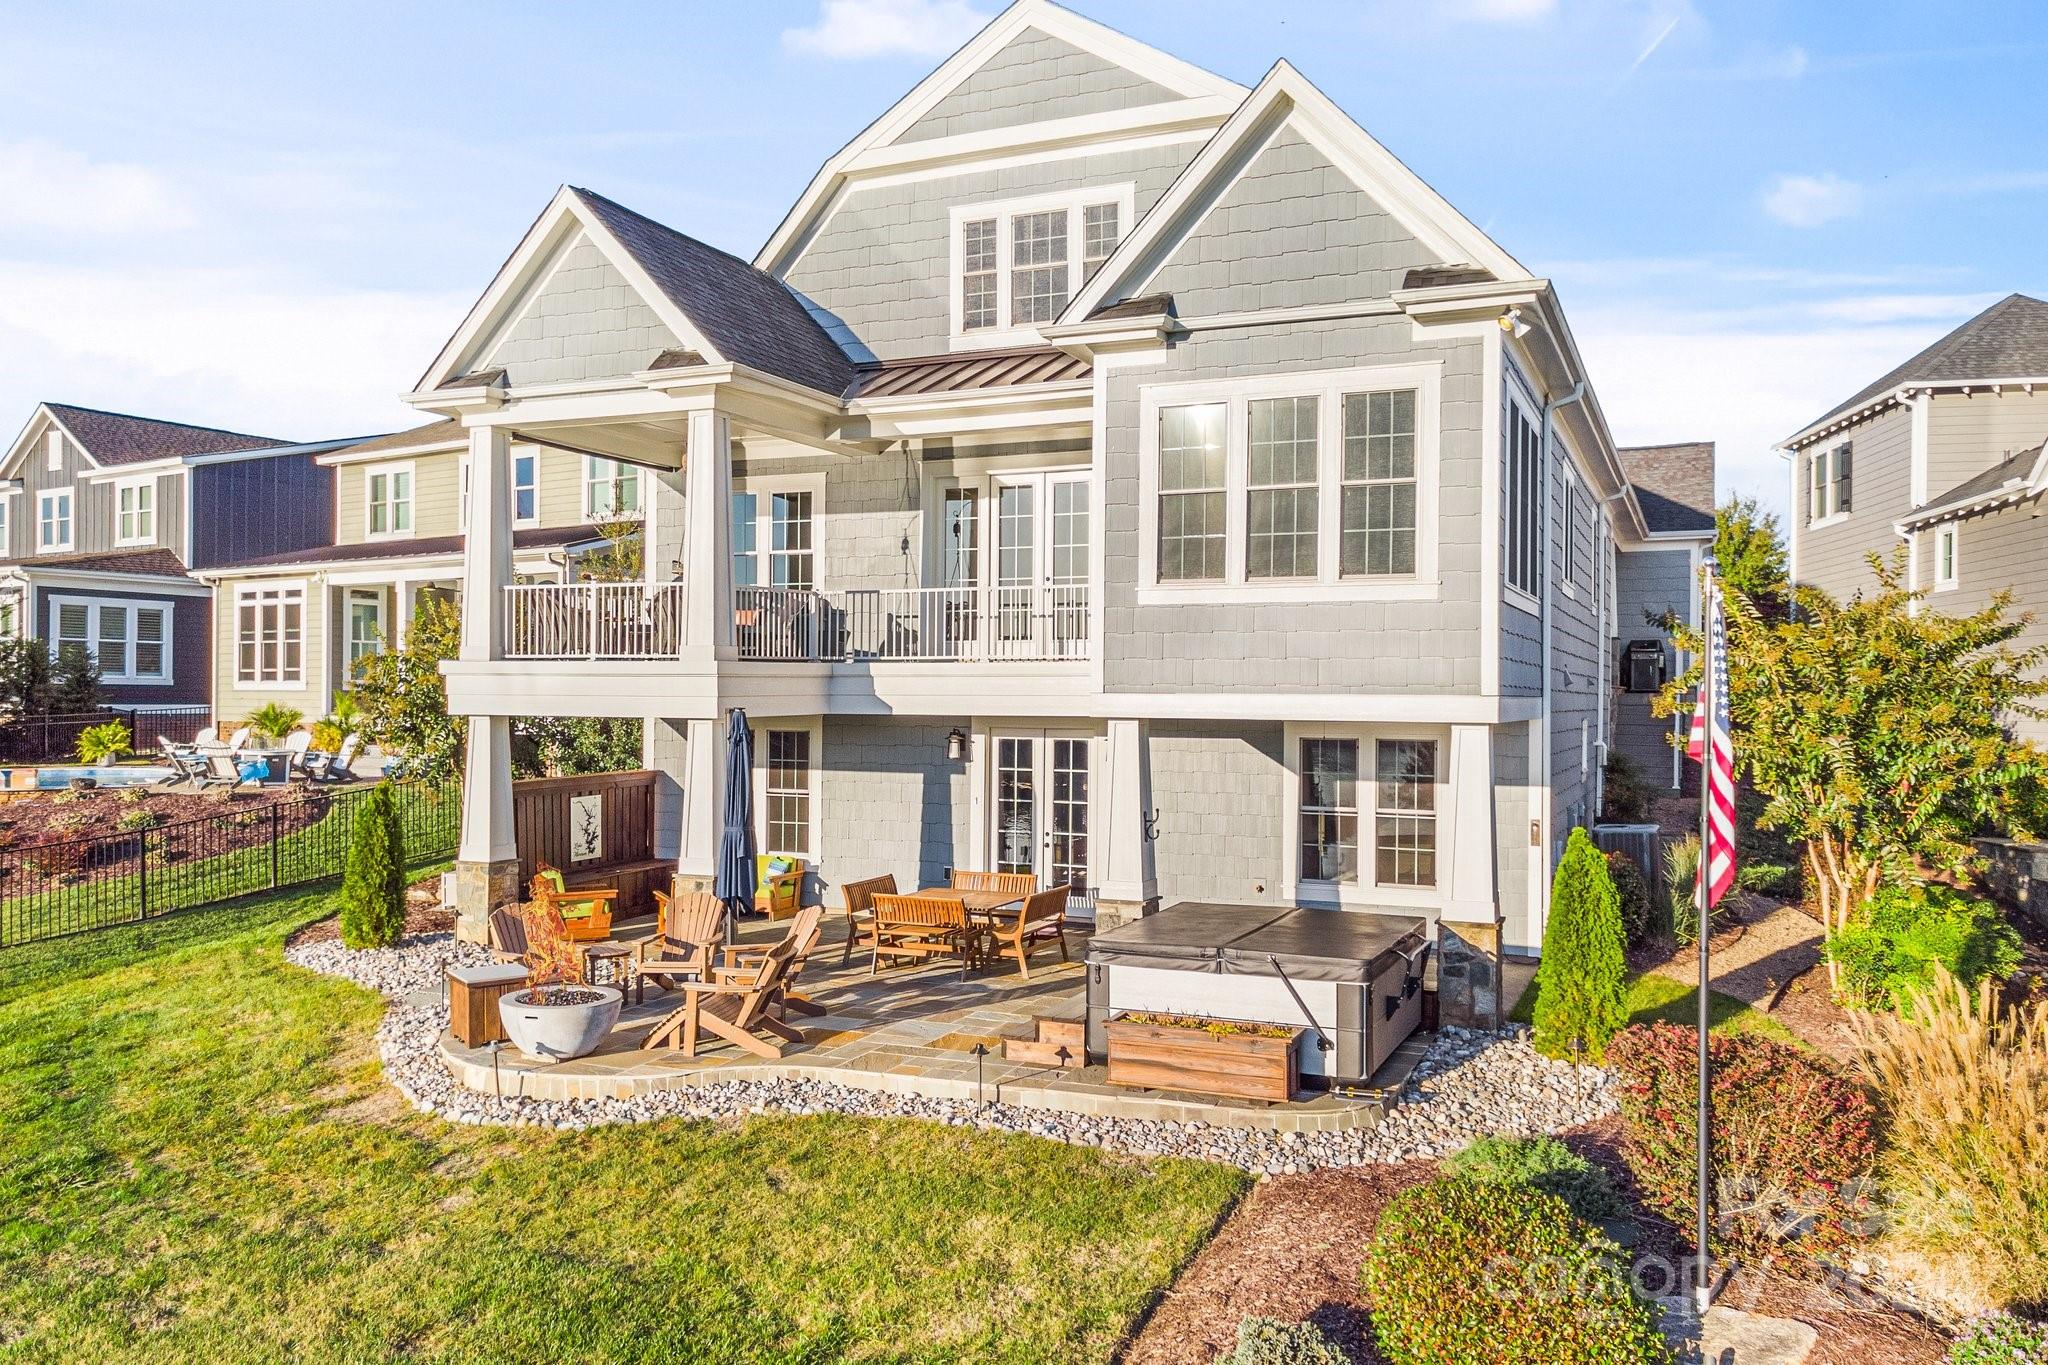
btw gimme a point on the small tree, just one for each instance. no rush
(373, 880)
(1750, 551)
(1876, 731)
(403, 700)
(75, 689)
(1581, 993)
(24, 678)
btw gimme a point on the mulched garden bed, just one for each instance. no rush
(189, 824)
(424, 914)
(1293, 1250)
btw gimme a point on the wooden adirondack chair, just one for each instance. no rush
(1042, 922)
(691, 929)
(860, 911)
(920, 927)
(587, 913)
(780, 893)
(1022, 883)
(742, 965)
(739, 1014)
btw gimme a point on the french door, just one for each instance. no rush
(1039, 811)
(1040, 525)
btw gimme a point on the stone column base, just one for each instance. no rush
(688, 883)
(1109, 914)
(479, 889)
(1468, 974)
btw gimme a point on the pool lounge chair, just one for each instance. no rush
(324, 767)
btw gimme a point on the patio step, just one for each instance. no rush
(1048, 1037)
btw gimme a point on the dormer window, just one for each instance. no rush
(1016, 264)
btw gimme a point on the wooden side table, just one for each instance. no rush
(473, 994)
(604, 964)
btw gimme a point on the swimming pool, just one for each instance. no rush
(58, 779)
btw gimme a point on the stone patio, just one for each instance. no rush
(911, 1030)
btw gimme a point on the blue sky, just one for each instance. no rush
(212, 213)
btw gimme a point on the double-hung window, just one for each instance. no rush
(365, 625)
(135, 512)
(1404, 812)
(1318, 486)
(53, 519)
(1522, 492)
(1947, 548)
(1399, 822)
(525, 492)
(774, 538)
(270, 634)
(611, 489)
(129, 640)
(387, 500)
(1017, 263)
(1829, 484)
(787, 790)
(1329, 810)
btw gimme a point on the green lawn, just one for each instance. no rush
(200, 1162)
(1655, 997)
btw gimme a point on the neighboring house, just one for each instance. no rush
(1942, 454)
(1105, 471)
(106, 518)
(1658, 578)
(290, 627)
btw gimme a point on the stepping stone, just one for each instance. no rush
(1730, 1336)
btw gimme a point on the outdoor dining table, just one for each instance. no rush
(984, 910)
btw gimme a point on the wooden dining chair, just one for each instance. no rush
(1018, 883)
(860, 911)
(1041, 923)
(921, 927)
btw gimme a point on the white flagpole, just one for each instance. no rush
(1703, 1292)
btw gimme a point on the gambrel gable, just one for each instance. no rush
(1291, 204)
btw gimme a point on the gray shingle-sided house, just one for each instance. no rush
(1943, 455)
(1104, 471)
(104, 517)
(1657, 578)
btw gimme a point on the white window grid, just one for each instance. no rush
(978, 290)
(1404, 812)
(270, 640)
(1280, 482)
(129, 640)
(1948, 550)
(1193, 493)
(788, 792)
(53, 519)
(1015, 264)
(611, 489)
(387, 501)
(1379, 510)
(135, 512)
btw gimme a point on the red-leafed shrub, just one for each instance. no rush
(1793, 1142)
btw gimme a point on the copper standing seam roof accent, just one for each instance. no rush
(1006, 369)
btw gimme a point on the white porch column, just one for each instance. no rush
(487, 553)
(487, 859)
(707, 573)
(1469, 934)
(1130, 876)
(703, 801)
(404, 599)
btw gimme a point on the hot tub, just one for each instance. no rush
(1357, 976)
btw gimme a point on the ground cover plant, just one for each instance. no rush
(200, 1162)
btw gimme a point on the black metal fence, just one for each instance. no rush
(136, 870)
(54, 739)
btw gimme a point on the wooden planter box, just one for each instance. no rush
(1243, 1066)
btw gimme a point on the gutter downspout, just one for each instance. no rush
(1549, 609)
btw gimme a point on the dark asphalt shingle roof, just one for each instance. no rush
(748, 315)
(1674, 484)
(114, 438)
(2014, 468)
(159, 563)
(1143, 306)
(420, 547)
(432, 434)
(2008, 340)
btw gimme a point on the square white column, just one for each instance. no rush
(487, 552)
(1471, 851)
(1130, 869)
(703, 798)
(707, 557)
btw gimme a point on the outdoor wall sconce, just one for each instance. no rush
(956, 745)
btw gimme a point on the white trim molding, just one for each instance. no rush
(1003, 214)
(392, 502)
(96, 606)
(138, 487)
(69, 519)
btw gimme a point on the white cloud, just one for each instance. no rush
(43, 185)
(854, 29)
(1882, 308)
(1507, 11)
(1805, 201)
(243, 348)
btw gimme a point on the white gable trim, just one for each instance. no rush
(1286, 98)
(31, 439)
(1205, 96)
(537, 255)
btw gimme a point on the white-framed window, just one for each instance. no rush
(1947, 549)
(130, 640)
(1521, 493)
(365, 614)
(6, 503)
(1404, 812)
(270, 634)
(1016, 263)
(1830, 481)
(1365, 812)
(775, 535)
(788, 789)
(135, 512)
(387, 500)
(1318, 486)
(611, 489)
(524, 494)
(53, 519)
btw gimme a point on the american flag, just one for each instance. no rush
(1712, 745)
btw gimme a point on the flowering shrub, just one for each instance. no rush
(1465, 1270)
(1792, 1141)
(2001, 1339)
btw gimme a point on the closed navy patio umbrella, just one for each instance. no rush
(735, 882)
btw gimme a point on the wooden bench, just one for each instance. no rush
(636, 882)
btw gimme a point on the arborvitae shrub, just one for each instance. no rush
(373, 882)
(1581, 984)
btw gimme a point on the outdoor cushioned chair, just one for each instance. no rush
(588, 914)
(1042, 922)
(691, 927)
(781, 892)
(860, 911)
(742, 964)
(1019, 883)
(920, 927)
(738, 1013)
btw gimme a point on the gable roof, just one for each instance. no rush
(119, 438)
(2008, 340)
(1202, 100)
(2017, 477)
(747, 315)
(154, 562)
(1285, 97)
(431, 436)
(1674, 485)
